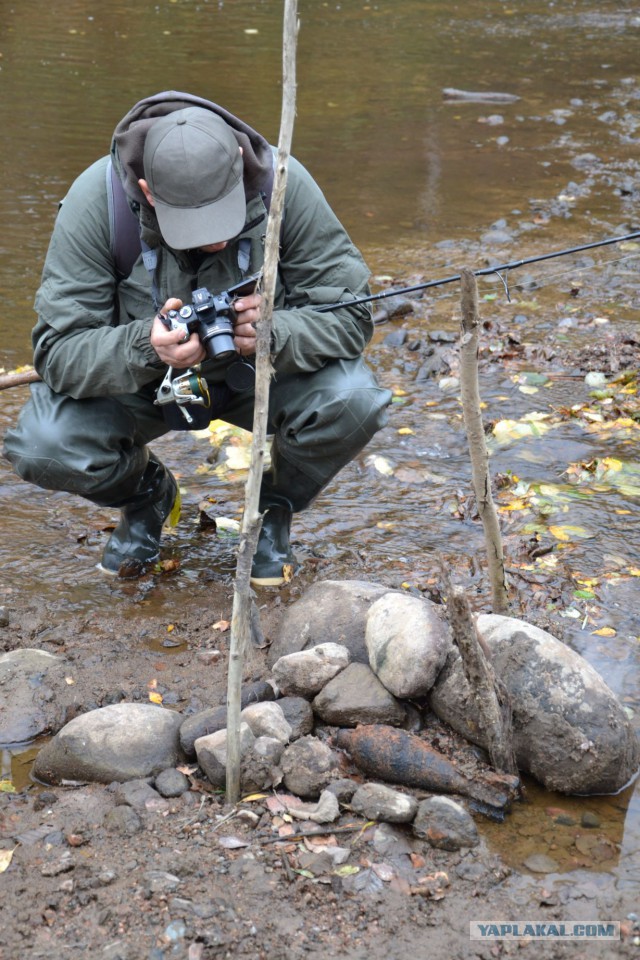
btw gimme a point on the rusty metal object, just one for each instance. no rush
(403, 758)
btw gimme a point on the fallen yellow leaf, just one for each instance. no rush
(5, 859)
(604, 632)
(515, 505)
(254, 796)
(155, 697)
(569, 532)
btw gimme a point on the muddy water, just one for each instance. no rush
(424, 185)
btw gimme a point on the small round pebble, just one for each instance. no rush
(171, 783)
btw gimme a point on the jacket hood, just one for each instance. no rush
(127, 146)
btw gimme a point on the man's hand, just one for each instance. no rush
(244, 330)
(171, 346)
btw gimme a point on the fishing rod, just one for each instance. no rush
(30, 376)
(513, 265)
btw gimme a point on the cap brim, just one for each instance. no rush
(184, 228)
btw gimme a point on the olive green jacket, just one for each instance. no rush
(92, 333)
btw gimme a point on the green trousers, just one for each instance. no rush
(97, 447)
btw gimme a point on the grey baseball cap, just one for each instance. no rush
(193, 166)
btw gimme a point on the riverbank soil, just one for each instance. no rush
(90, 870)
(98, 873)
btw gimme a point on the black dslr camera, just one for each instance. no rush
(212, 317)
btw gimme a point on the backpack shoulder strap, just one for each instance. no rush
(124, 228)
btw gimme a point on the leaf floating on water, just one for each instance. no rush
(228, 526)
(604, 632)
(518, 504)
(566, 533)
(381, 464)
(506, 431)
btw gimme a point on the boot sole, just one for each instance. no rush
(267, 581)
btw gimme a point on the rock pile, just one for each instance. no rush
(371, 661)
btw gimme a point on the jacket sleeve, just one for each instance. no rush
(80, 348)
(318, 265)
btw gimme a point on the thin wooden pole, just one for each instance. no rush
(8, 380)
(251, 521)
(470, 395)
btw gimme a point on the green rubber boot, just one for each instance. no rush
(274, 562)
(135, 542)
(285, 491)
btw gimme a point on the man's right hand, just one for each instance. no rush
(170, 344)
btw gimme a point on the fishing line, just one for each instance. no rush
(539, 284)
(485, 271)
(555, 277)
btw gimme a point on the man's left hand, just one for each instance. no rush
(244, 329)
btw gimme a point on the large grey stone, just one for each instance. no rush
(407, 640)
(305, 673)
(28, 701)
(259, 759)
(211, 751)
(331, 611)
(570, 730)
(124, 741)
(298, 714)
(201, 724)
(308, 765)
(445, 824)
(356, 696)
(267, 720)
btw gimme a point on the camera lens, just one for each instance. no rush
(218, 341)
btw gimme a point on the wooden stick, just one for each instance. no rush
(8, 380)
(489, 693)
(251, 521)
(470, 395)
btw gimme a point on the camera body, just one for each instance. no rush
(212, 317)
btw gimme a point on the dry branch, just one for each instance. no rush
(489, 693)
(251, 521)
